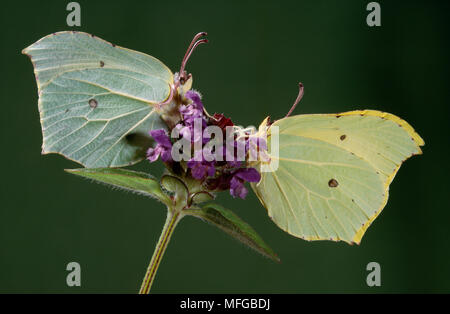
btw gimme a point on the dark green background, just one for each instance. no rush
(259, 51)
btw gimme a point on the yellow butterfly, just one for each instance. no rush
(329, 178)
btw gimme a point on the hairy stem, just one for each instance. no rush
(171, 221)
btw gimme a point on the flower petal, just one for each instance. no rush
(248, 174)
(237, 188)
(161, 137)
(198, 171)
(194, 96)
(166, 155)
(153, 153)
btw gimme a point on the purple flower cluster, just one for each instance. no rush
(163, 146)
(190, 114)
(226, 174)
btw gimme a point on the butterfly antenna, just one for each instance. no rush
(194, 43)
(299, 97)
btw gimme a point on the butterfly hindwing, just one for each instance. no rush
(334, 172)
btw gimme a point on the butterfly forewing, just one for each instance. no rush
(93, 94)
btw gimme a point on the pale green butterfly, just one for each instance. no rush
(333, 171)
(93, 95)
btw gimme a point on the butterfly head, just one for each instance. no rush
(182, 83)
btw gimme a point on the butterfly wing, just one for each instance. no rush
(332, 174)
(92, 94)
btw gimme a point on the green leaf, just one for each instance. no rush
(138, 182)
(230, 223)
(96, 99)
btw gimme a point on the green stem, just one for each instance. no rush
(171, 221)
